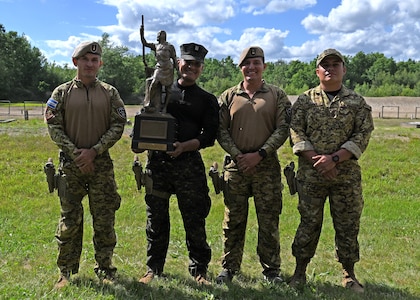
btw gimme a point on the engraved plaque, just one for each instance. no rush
(154, 131)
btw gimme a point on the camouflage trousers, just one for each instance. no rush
(104, 200)
(346, 205)
(186, 178)
(266, 188)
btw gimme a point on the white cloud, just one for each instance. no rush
(258, 7)
(385, 26)
(225, 27)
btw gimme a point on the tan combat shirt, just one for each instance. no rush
(247, 125)
(81, 117)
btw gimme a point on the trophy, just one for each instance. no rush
(154, 128)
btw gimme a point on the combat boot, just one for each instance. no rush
(63, 280)
(299, 277)
(148, 277)
(225, 276)
(201, 279)
(106, 275)
(349, 279)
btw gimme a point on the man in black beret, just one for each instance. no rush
(182, 172)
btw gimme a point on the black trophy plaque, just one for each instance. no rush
(154, 131)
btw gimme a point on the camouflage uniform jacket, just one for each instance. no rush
(55, 116)
(278, 120)
(326, 126)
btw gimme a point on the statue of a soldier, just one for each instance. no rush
(163, 75)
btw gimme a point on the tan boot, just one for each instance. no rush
(202, 280)
(62, 281)
(349, 279)
(299, 277)
(147, 278)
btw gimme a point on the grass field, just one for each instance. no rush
(389, 237)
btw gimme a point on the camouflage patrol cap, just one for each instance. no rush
(328, 52)
(193, 51)
(87, 47)
(251, 52)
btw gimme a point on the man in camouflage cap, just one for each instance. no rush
(85, 118)
(254, 123)
(329, 52)
(330, 129)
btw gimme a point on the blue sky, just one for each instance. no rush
(285, 29)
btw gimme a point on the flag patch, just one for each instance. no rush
(51, 103)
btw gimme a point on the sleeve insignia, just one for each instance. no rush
(48, 115)
(121, 112)
(51, 103)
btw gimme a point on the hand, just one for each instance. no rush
(177, 151)
(247, 162)
(331, 174)
(84, 160)
(325, 166)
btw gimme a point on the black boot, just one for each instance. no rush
(299, 277)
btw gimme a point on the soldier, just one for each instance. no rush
(181, 172)
(330, 129)
(254, 123)
(85, 118)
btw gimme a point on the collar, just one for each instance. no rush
(239, 90)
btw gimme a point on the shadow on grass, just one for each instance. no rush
(242, 287)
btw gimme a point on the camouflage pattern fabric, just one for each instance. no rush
(266, 188)
(55, 116)
(186, 178)
(326, 126)
(346, 205)
(104, 200)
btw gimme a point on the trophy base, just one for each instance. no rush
(154, 131)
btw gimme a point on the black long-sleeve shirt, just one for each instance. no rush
(197, 114)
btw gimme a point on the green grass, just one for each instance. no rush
(389, 237)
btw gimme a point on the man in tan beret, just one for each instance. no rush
(85, 118)
(254, 123)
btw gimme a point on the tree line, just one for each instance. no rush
(25, 74)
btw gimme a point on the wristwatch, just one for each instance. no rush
(336, 158)
(262, 153)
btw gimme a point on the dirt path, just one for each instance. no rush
(389, 107)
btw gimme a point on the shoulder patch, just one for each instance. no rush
(121, 112)
(51, 103)
(48, 115)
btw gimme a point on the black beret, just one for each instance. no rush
(193, 51)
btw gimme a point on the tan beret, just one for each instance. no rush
(328, 52)
(87, 47)
(251, 52)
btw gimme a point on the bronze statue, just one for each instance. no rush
(163, 75)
